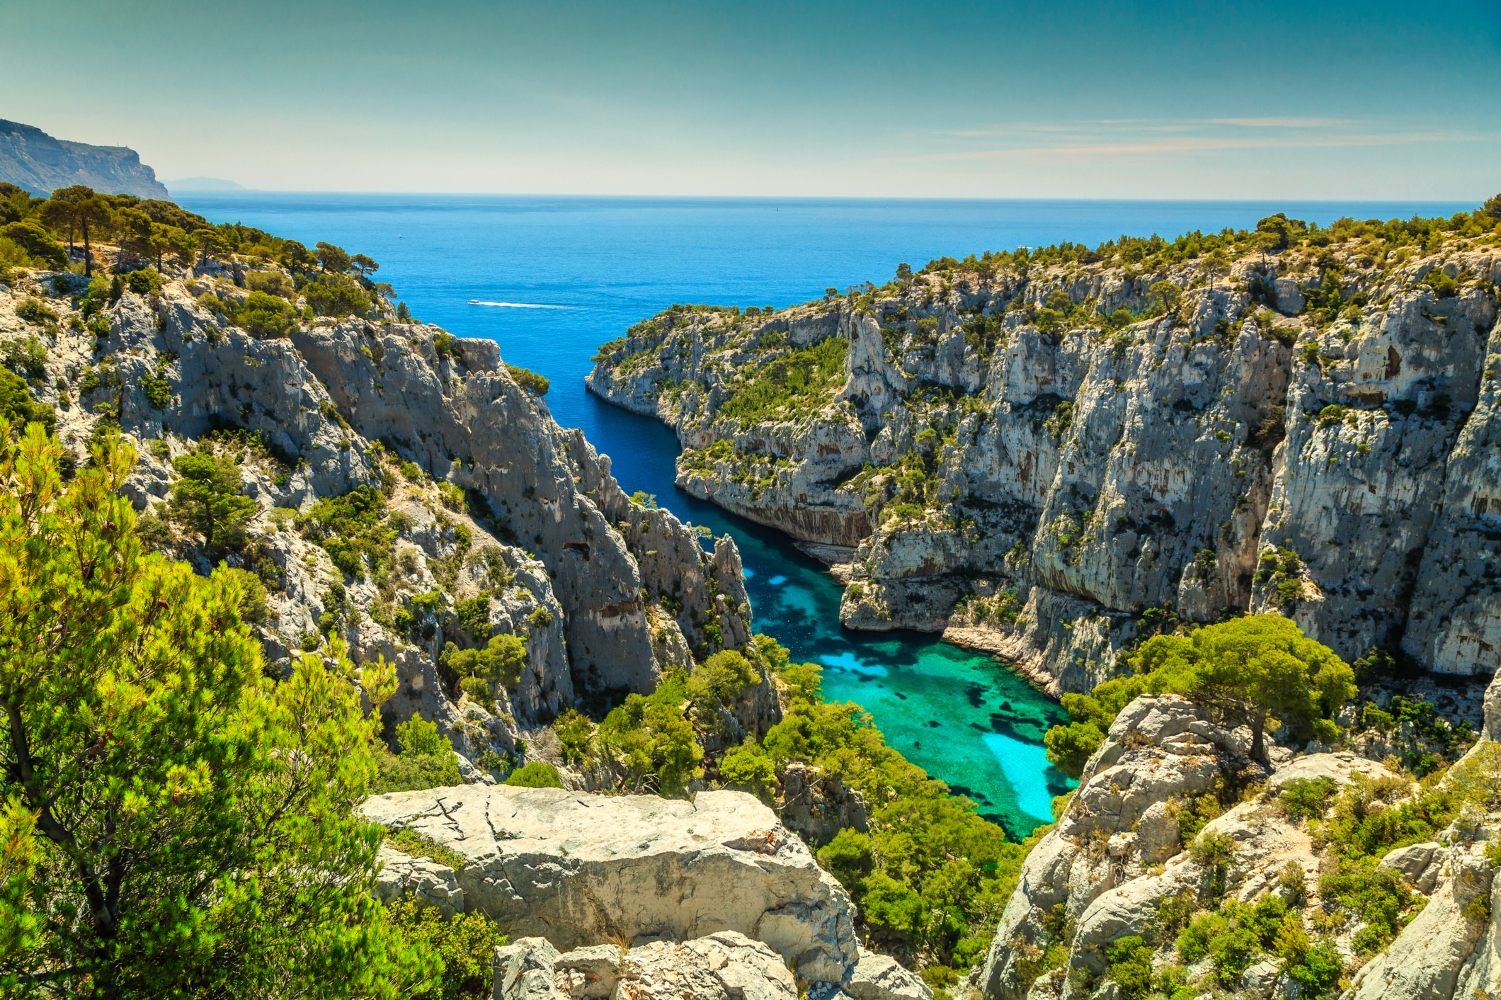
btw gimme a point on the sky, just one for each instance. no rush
(1066, 98)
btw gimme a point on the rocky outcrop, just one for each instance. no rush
(34, 160)
(482, 495)
(1117, 862)
(1452, 949)
(1118, 847)
(583, 869)
(1030, 479)
(722, 966)
(1092, 871)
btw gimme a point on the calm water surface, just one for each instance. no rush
(552, 278)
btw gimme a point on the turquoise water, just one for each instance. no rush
(552, 278)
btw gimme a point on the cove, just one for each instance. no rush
(552, 278)
(962, 717)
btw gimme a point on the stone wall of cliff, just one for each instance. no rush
(1036, 460)
(481, 493)
(34, 160)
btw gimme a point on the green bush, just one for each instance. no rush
(144, 282)
(207, 500)
(335, 295)
(1130, 961)
(1307, 797)
(529, 380)
(575, 734)
(38, 244)
(1377, 896)
(263, 315)
(1070, 747)
(748, 768)
(474, 616)
(426, 760)
(464, 944)
(501, 661)
(353, 529)
(34, 310)
(535, 774)
(18, 408)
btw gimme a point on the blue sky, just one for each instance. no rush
(1060, 99)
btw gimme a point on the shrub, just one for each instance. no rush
(1071, 746)
(144, 282)
(263, 315)
(748, 768)
(536, 774)
(335, 295)
(464, 944)
(575, 734)
(474, 616)
(207, 500)
(38, 244)
(352, 529)
(426, 760)
(529, 380)
(27, 358)
(500, 662)
(34, 310)
(1307, 797)
(1374, 895)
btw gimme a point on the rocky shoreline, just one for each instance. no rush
(1011, 464)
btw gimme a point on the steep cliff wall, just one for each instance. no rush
(34, 160)
(1037, 455)
(457, 481)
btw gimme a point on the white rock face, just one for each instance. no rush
(428, 882)
(1157, 750)
(1116, 854)
(1092, 475)
(879, 977)
(587, 604)
(584, 869)
(721, 966)
(1428, 956)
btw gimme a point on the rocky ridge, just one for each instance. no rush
(1031, 456)
(34, 160)
(1118, 864)
(709, 898)
(480, 494)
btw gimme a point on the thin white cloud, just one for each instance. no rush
(1200, 144)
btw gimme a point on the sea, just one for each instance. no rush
(552, 278)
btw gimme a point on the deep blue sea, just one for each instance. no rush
(551, 278)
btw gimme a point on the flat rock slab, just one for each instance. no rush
(581, 869)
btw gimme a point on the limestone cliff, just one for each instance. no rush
(461, 487)
(34, 160)
(1035, 454)
(1126, 861)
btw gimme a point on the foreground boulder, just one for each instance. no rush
(723, 966)
(581, 869)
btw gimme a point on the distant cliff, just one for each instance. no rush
(39, 163)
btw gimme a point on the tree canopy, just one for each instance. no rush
(172, 821)
(1259, 670)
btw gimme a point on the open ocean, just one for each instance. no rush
(552, 278)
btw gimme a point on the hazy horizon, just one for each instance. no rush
(1074, 100)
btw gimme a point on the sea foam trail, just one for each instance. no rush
(514, 305)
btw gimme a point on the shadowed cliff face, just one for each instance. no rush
(34, 160)
(1007, 456)
(566, 561)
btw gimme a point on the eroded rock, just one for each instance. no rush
(584, 869)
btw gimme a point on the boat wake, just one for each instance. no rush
(514, 305)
